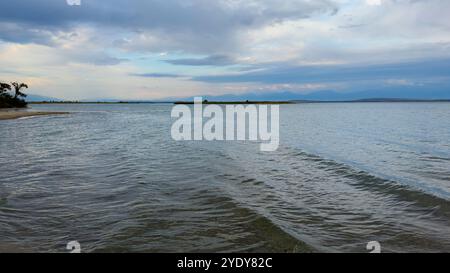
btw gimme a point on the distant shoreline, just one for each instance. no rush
(381, 100)
(100, 102)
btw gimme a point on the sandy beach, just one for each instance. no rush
(5, 114)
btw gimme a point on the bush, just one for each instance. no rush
(7, 101)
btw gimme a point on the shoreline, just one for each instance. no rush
(9, 115)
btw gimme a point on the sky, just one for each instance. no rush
(159, 49)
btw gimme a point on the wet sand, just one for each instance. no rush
(5, 114)
(9, 248)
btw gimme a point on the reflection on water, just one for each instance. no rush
(111, 177)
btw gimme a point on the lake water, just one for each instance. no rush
(112, 178)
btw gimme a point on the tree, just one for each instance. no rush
(17, 88)
(4, 87)
(7, 100)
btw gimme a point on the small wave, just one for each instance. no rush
(367, 180)
(327, 203)
(24, 118)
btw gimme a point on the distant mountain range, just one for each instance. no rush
(334, 96)
(371, 95)
(38, 98)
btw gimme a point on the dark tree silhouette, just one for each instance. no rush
(7, 100)
(4, 87)
(17, 88)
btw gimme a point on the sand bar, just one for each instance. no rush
(4, 115)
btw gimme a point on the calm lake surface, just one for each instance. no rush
(112, 178)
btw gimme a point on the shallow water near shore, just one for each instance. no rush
(112, 178)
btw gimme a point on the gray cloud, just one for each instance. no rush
(101, 59)
(193, 14)
(180, 23)
(156, 75)
(18, 34)
(337, 73)
(214, 60)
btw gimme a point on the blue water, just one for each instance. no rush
(111, 177)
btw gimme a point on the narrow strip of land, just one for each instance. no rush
(236, 102)
(4, 115)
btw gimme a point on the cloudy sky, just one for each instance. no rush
(155, 49)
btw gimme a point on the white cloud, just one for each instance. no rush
(374, 2)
